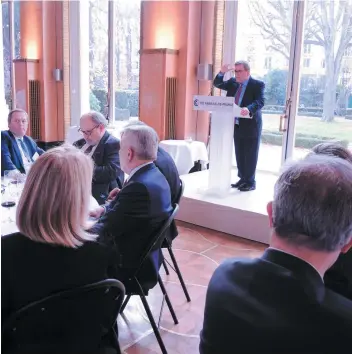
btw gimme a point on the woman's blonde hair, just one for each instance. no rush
(54, 205)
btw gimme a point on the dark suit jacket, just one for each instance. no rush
(339, 277)
(166, 164)
(34, 270)
(274, 304)
(107, 172)
(11, 158)
(134, 216)
(253, 99)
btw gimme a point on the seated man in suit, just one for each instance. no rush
(339, 277)
(104, 150)
(144, 202)
(278, 303)
(166, 164)
(18, 151)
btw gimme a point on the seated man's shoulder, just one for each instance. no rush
(232, 268)
(5, 135)
(112, 140)
(338, 306)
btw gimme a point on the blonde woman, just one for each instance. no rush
(53, 250)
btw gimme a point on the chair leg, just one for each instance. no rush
(152, 322)
(178, 272)
(169, 305)
(166, 268)
(125, 303)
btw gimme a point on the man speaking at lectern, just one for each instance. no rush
(248, 94)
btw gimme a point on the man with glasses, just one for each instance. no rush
(104, 148)
(248, 93)
(18, 151)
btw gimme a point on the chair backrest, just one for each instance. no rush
(180, 194)
(78, 320)
(158, 239)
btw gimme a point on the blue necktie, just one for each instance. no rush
(25, 151)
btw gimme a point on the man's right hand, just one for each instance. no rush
(227, 67)
(96, 213)
(112, 195)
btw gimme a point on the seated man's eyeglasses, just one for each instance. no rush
(88, 132)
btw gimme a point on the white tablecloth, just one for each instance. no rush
(10, 228)
(185, 153)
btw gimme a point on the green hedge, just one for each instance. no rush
(124, 99)
(305, 141)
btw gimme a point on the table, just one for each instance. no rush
(185, 153)
(10, 228)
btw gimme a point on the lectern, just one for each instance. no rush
(221, 140)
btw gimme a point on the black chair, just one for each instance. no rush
(79, 320)
(168, 244)
(146, 276)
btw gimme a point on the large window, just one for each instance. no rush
(325, 99)
(126, 27)
(265, 37)
(11, 43)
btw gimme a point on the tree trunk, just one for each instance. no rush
(91, 36)
(129, 54)
(329, 99)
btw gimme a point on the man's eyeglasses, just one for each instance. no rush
(88, 132)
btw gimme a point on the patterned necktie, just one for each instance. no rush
(237, 99)
(25, 151)
(89, 149)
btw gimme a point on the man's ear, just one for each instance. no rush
(130, 154)
(269, 209)
(347, 247)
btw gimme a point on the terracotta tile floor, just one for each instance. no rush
(198, 252)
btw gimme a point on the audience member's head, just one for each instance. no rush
(54, 205)
(18, 122)
(139, 145)
(333, 149)
(135, 122)
(92, 125)
(311, 214)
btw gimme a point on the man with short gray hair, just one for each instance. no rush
(141, 206)
(104, 148)
(278, 303)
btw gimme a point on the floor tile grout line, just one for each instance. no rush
(180, 334)
(187, 228)
(190, 284)
(197, 232)
(200, 254)
(129, 345)
(209, 249)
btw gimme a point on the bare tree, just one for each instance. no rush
(327, 24)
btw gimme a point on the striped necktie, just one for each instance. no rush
(89, 149)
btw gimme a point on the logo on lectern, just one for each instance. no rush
(196, 102)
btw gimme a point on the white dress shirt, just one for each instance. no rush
(26, 163)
